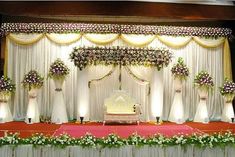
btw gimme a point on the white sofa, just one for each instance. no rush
(121, 108)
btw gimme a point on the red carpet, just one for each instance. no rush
(125, 130)
(97, 129)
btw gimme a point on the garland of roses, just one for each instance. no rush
(114, 141)
(83, 57)
(112, 28)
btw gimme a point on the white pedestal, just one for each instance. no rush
(202, 113)
(228, 112)
(59, 114)
(177, 108)
(156, 94)
(33, 110)
(5, 113)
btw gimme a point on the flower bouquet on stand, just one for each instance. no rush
(180, 72)
(32, 81)
(228, 92)
(6, 90)
(204, 83)
(58, 72)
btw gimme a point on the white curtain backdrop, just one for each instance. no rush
(39, 56)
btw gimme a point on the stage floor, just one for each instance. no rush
(97, 129)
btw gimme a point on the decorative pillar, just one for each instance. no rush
(33, 110)
(228, 112)
(202, 113)
(177, 108)
(59, 114)
(5, 113)
(156, 94)
(83, 94)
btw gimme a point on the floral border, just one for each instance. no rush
(82, 57)
(113, 28)
(114, 141)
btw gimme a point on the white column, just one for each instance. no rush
(156, 94)
(59, 114)
(177, 108)
(33, 110)
(83, 94)
(228, 112)
(202, 113)
(5, 113)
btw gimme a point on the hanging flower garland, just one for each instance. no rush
(180, 70)
(114, 141)
(58, 70)
(7, 87)
(204, 80)
(228, 90)
(112, 28)
(83, 57)
(32, 80)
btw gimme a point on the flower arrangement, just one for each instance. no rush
(203, 80)
(87, 141)
(83, 57)
(228, 90)
(32, 80)
(58, 70)
(6, 86)
(112, 28)
(136, 139)
(112, 140)
(180, 70)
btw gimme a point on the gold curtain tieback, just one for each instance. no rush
(58, 89)
(32, 97)
(3, 101)
(178, 91)
(203, 98)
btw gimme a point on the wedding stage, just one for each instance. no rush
(116, 74)
(145, 129)
(98, 130)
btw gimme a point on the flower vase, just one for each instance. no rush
(33, 109)
(177, 108)
(227, 113)
(201, 112)
(59, 114)
(5, 112)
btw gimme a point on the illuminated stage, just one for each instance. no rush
(98, 130)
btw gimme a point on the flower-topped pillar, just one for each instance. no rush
(6, 89)
(162, 60)
(228, 92)
(58, 71)
(33, 82)
(204, 82)
(180, 72)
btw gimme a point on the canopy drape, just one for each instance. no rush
(38, 51)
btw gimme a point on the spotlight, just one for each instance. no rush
(30, 120)
(232, 119)
(158, 120)
(81, 120)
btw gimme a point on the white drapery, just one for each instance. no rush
(127, 151)
(39, 53)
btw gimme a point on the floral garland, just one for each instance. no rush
(114, 141)
(203, 80)
(83, 57)
(32, 80)
(58, 70)
(180, 70)
(228, 90)
(6, 86)
(112, 28)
